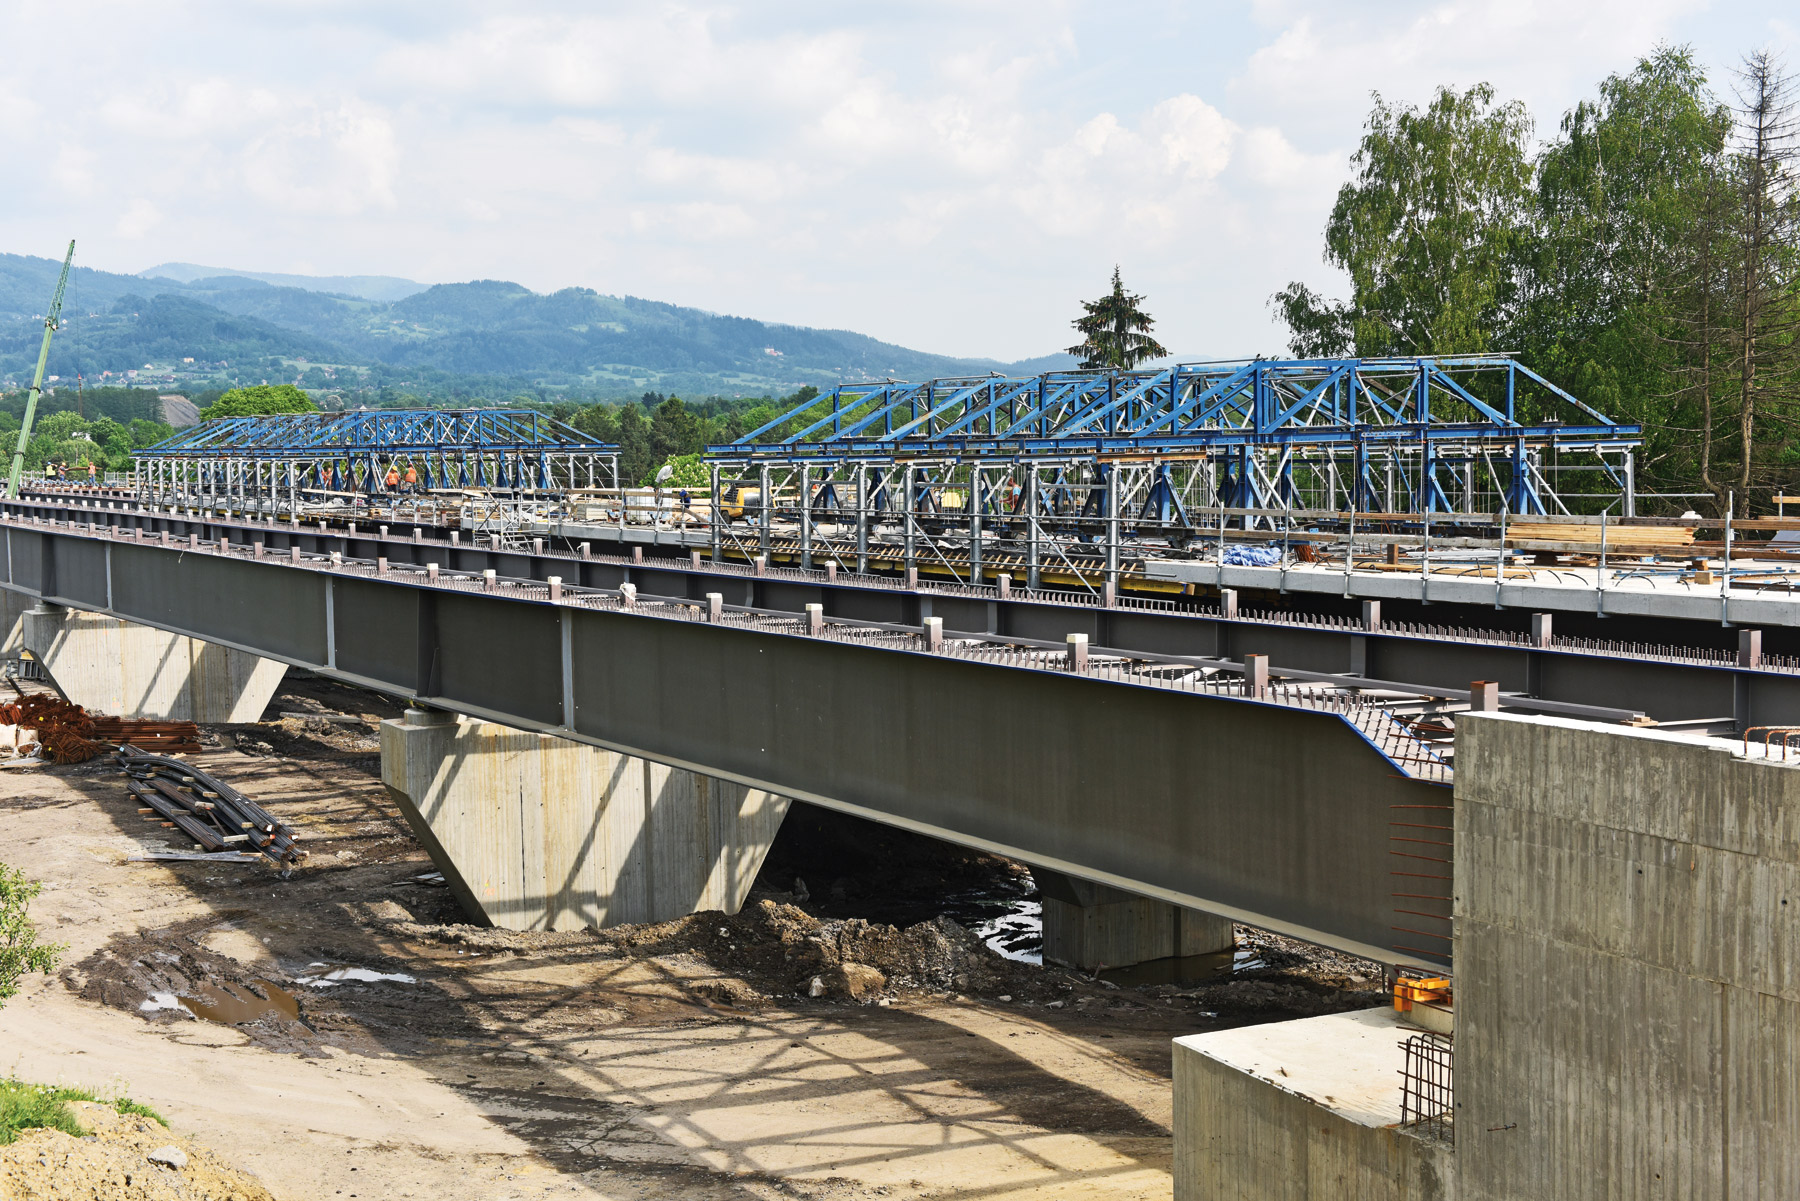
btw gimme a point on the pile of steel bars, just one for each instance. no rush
(215, 815)
(148, 734)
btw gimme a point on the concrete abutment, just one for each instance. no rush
(535, 832)
(108, 665)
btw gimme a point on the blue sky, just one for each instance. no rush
(950, 176)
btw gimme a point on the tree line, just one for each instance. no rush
(1646, 257)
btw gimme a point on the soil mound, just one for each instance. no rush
(124, 1158)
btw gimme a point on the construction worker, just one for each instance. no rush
(393, 478)
(412, 479)
(93, 473)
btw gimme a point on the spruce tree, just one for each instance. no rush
(1115, 333)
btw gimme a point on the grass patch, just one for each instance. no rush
(25, 1106)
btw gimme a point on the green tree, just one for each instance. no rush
(258, 399)
(673, 430)
(635, 462)
(1430, 232)
(20, 950)
(1115, 331)
(148, 433)
(1620, 294)
(1765, 270)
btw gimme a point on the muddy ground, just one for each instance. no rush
(845, 1035)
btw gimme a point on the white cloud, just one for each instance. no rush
(138, 220)
(952, 176)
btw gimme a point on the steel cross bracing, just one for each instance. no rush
(296, 461)
(1067, 467)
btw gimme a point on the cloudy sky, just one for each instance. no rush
(952, 176)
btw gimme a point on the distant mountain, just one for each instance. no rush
(483, 338)
(368, 287)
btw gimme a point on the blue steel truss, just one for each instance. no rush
(381, 432)
(320, 454)
(1328, 403)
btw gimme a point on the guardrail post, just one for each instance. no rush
(455, 537)
(431, 572)
(418, 535)
(637, 554)
(224, 542)
(587, 550)
(912, 578)
(1003, 582)
(1109, 595)
(815, 620)
(831, 573)
(537, 546)
(381, 565)
(294, 554)
(934, 634)
(628, 595)
(1078, 648)
(490, 579)
(555, 585)
(1256, 675)
(337, 560)
(694, 559)
(383, 530)
(258, 550)
(1749, 648)
(1484, 696)
(1371, 615)
(1541, 630)
(715, 606)
(760, 565)
(1228, 603)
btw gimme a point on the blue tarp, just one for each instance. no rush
(1252, 556)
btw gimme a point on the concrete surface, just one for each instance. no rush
(1091, 926)
(1628, 965)
(107, 665)
(1304, 1110)
(535, 832)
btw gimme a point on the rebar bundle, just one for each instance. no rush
(215, 815)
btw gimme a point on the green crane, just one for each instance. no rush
(51, 320)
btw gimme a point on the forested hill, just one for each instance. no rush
(479, 338)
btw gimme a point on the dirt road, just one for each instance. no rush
(450, 1062)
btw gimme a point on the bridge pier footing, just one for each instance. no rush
(535, 832)
(108, 665)
(1090, 926)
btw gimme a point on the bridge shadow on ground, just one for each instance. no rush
(616, 1064)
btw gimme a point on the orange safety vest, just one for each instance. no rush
(393, 477)
(412, 477)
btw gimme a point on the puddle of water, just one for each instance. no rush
(236, 1005)
(323, 975)
(1185, 969)
(1017, 932)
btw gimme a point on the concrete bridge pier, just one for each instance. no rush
(535, 832)
(108, 665)
(1090, 926)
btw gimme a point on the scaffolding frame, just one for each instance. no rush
(295, 463)
(1084, 467)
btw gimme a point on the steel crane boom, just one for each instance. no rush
(51, 321)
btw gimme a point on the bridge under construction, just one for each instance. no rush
(1386, 655)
